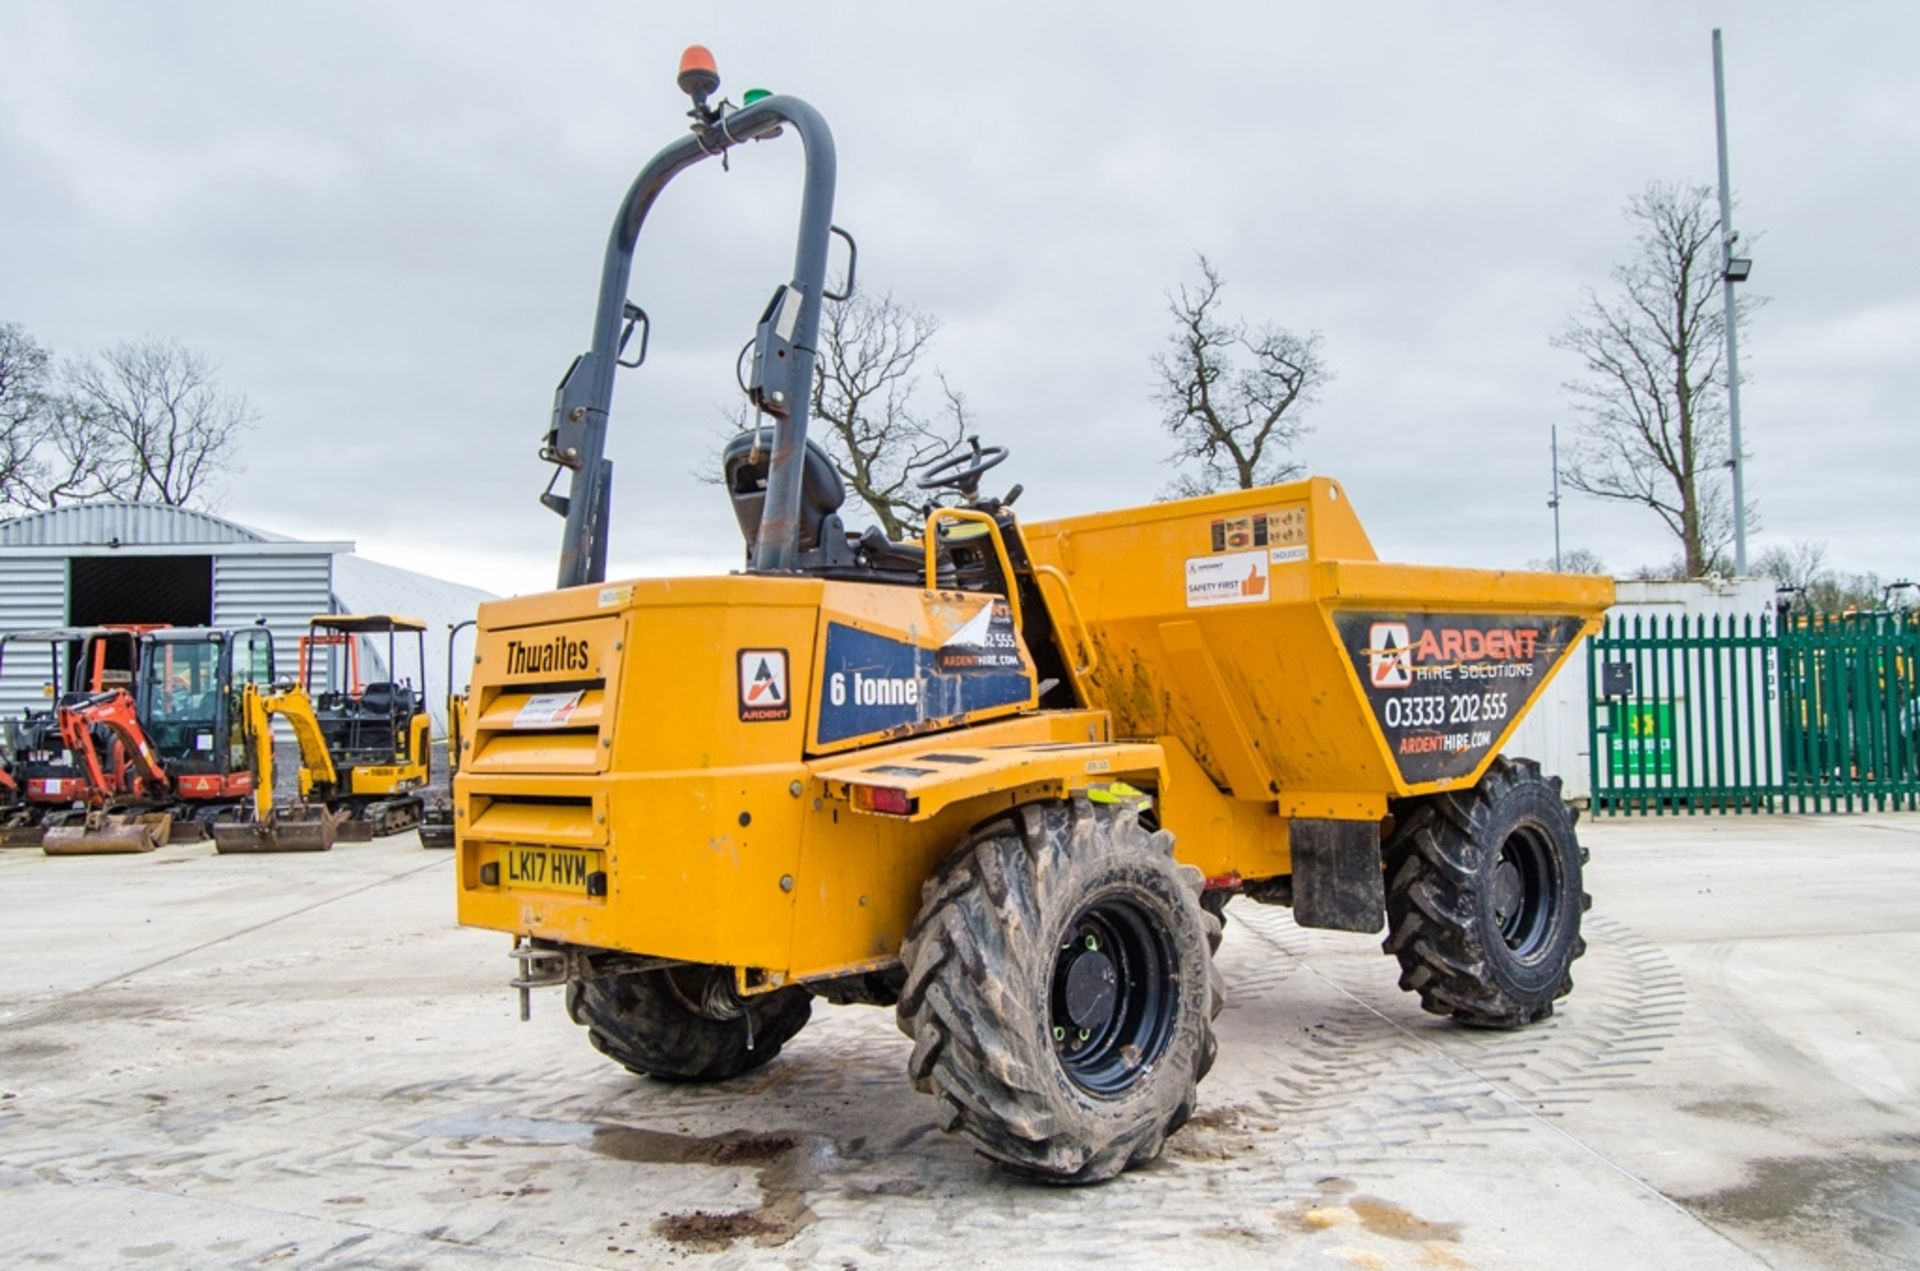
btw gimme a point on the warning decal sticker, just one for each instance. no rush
(546, 710)
(1283, 528)
(763, 686)
(1444, 687)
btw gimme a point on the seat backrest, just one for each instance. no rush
(377, 698)
(745, 462)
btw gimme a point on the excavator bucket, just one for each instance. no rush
(436, 826)
(355, 829)
(189, 830)
(110, 834)
(300, 827)
(23, 835)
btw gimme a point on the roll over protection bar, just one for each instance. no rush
(577, 438)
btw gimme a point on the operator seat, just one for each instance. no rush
(745, 462)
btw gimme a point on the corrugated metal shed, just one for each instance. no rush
(33, 595)
(115, 525)
(285, 590)
(256, 574)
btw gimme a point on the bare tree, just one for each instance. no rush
(1801, 569)
(1578, 560)
(50, 451)
(866, 397)
(151, 415)
(1653, 388)
(1233, 393)
(867, 409)
(1795, 566)
(23, 394)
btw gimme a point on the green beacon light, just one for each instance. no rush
(753, 95)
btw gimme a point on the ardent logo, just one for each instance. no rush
(558, 654)
(1387, 663)
(1468, 644)
(763, 686)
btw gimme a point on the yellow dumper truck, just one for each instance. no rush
(1003, 778)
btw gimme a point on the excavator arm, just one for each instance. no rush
(300, 826)
(291, 703)
(101, 831)
(112, 710)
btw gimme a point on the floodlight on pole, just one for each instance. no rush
(1729, 275)
(1553, 500)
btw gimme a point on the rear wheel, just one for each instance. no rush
(1060, 991)
(1484, 898)
(685, 1023)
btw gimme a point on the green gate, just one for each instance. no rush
(1710, 713)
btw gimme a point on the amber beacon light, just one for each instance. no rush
(698, 78)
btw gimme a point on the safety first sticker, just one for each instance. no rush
(764, 695)
(1237, 578)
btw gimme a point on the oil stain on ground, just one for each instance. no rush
(1810, 1199)
(1749, 1111)
(784, 1175)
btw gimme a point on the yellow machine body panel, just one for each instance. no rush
(639, 774)
(404, 773)
(1257, 630)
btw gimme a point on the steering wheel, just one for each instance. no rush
(963, 471)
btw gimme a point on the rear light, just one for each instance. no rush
(890, 799)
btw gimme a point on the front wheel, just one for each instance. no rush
(1060, 991)
(1484, 898)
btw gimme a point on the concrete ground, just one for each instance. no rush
(301, 1061)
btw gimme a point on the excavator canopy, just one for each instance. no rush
(366, 623)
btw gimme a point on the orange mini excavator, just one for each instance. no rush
(126, 792)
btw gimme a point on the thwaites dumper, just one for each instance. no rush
(1002, 778)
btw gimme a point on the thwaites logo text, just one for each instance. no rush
(557, 655)
(764, 695)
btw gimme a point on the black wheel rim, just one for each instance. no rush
(1525, 884)
(1113, 995)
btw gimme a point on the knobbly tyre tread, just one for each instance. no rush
(1438, 866)
(978, 959)
(641, 1021)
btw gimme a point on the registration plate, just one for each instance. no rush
(551, 868)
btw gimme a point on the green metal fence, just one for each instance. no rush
(1706, 713)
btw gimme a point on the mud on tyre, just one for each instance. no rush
(1484, 898)
(685, 1023)
(1060, 990)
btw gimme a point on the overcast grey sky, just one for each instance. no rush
(386, 223)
